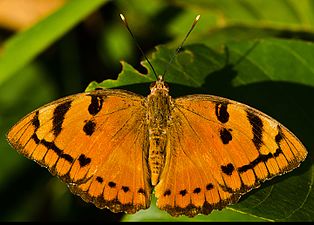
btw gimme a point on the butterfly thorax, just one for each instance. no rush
(159, 107)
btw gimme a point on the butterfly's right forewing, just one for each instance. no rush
(219, 149)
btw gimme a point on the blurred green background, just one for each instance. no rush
(66, 45)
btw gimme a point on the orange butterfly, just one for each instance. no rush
(199, 152)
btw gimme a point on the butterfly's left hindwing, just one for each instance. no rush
(219, 149)
(96, 142)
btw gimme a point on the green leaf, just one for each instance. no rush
(274, 76)
(292, 15)
(227, 21)
(25, 46)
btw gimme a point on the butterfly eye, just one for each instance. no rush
(152, 85)
(166, 85)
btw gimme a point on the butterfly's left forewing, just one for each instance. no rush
(219, 149)
(96, 142)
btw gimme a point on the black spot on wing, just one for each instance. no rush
(257, 129)
(225, 135)
(50, 145)
(125, 188)
(100, 179)
(278, 151)
(183, 192)
(83, 160)
(209, 186)
(67, 157)
(35, 121)
(228, 169)
(279, 136)
(278, 139)
(112, 184)
(167, 192)
(35, 138)
(89, 127)
(142, 191)
(197, 190)
(57, 150)
(260, 158)
(221, 111)
(95, 105)
(58, 116)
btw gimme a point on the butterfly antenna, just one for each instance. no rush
(138, 46)
(180, 46)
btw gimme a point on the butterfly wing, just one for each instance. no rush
(219, 149)
(95, 142)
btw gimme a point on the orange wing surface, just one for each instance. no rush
(95, 142)
(219, 149)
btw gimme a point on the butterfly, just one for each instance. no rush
(197, 152)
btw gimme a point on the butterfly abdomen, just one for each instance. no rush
(159, 108)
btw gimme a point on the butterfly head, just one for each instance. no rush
(159, 86)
